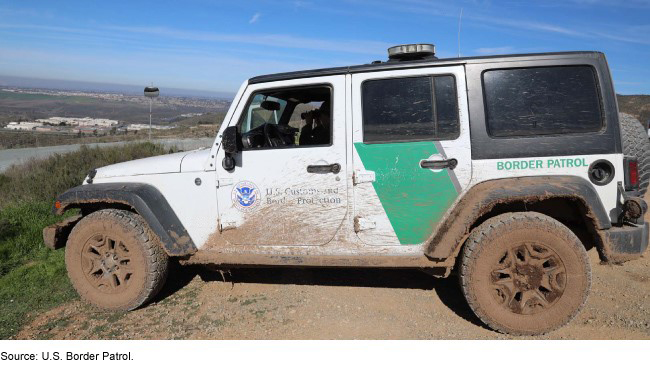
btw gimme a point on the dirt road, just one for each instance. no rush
(338, 304)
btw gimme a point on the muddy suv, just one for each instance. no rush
(502, 169)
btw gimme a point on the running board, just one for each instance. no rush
(380, 261)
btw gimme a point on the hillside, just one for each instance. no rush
(204, 119)
(636, 105)
(15, 106)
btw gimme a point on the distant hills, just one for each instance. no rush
(27, 106)
(636, 105)
(26, 82)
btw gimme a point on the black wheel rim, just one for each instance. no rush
(528, 278)
(106, 263)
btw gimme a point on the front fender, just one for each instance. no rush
(145, 199)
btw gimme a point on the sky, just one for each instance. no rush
(216, 45)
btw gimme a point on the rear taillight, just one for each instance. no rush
(631, 173)
(634, 173)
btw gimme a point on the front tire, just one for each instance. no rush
(524, 273)
(114, 261)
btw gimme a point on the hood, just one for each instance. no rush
(189, 161)
(176, 162)
(164, 164)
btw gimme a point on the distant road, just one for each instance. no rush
(19, 155)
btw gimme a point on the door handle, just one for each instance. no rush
(439, 164)
(323, 169)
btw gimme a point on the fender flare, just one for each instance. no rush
(145, 199)
(484, 196)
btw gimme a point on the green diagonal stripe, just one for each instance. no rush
(415, 199)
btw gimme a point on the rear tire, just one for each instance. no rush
(524, 273)
(636, 144)
(114, 261)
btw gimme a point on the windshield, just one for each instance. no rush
(256, 115)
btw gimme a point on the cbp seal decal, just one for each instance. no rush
(246, 196)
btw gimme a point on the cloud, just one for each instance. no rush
(628, 34)
(26, 13)
(137, 36)
(265, 39)
(624, 38)
(255, 18)
(301, 4)
(447, 10)
(641, 4)
(136, 67)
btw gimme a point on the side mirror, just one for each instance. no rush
(230, 140)
(228, 162)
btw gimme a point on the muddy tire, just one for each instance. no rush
(524, 273)
(636, 144)
(114, 261)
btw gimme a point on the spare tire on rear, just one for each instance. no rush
(636, 144)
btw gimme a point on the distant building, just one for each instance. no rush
(24, 126)
(139, 127)
(81, 122)
(85, 126)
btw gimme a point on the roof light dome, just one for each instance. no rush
(410, 52)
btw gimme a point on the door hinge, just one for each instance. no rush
(224, 182)
(361, 177)
(226, 225)
(363, 224)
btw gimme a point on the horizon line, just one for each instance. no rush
(103, 83)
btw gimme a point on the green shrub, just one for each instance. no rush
(43, 180)
(38, 284)
(32, 276)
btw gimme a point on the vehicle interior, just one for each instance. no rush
(274, 118)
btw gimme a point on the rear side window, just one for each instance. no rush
(540, 101)
(410, 109)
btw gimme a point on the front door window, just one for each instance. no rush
(288, 117)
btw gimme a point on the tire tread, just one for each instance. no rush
(473, 248)
(155, 257)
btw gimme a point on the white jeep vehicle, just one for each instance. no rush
(504, 169)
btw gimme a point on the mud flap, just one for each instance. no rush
(622, 244)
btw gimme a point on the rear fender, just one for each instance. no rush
(485, 196)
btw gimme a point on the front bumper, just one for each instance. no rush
(56, 235)
(620, 244)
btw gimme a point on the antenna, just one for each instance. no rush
(460, 18)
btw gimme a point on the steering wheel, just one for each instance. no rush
(273, 136)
